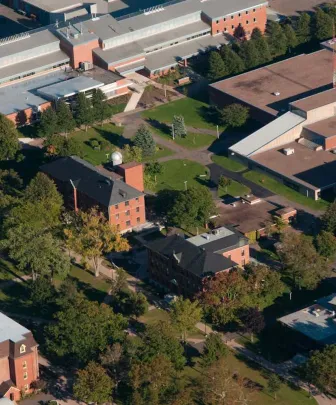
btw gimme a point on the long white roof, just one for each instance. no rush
(267, 134)
(11, 330)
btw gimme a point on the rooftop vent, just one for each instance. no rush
(288, 151)
(152, 10)
(123, 193)
(276, 93)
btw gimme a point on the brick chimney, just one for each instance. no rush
(133, 174)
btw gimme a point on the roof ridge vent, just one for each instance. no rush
(152, 10)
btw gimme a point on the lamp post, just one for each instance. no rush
(186, 185)
(173, 131)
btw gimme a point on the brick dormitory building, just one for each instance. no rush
(118, 194)
(182, 265)
(18, 359)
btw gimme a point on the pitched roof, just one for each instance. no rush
(90, 181)
(190, 257)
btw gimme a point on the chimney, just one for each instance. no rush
(132, 174)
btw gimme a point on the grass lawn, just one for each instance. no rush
(113, 135)
(279, 188)
(235, 189)
(228, 163)
(161, 151)
(191, 141)
(176, 172)
(153, 316)
(195, 113)
(285, 396)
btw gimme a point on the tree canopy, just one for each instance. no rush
(184, 315)
(144, 140)
(234, 115)
(9, 138)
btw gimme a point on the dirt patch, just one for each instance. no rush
(153, 95)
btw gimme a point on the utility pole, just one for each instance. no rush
(185, 185)
(217, 132)
(173, 131)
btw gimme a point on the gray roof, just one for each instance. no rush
(36, 39)
(172, 55)
(22, 95)
(33, 65)
(69, 87)
(218, 8)
(321, 328)
(192, 258)
(253, 143)
(120, 53)
(11, 330)
(90, 181)
(53, 6)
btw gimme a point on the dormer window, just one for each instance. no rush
(22, 349)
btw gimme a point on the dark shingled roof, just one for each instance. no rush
(90, 181)
(195, 259)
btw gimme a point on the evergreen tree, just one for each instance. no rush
(65, 121)
(256, 34)
(232, 61)
(329, 218)
(9, 138)
(303, 31)
(84, 111)
(249, 54)
(216, 67)
(144, 139)
(276, 39)
(101, 109)
(178, 127)
(291, 38)
(263, 50)
(323, 25)
(48, 122)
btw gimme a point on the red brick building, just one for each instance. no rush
(118, 194)
(182, 265)
(18, 359)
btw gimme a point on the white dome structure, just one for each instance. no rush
(116, 158)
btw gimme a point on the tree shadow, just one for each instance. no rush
(206, 182)
(161, 126)
(91, 293)
(112, 137)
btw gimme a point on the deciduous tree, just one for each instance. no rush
(326, 244)
(328, 219)
(273, 384)
(94, 236)
(84, 112)
(65, 120)
(234, 115)
(252, 321)
(224, 182)
(154, 169)
(184, 315)
(132, 154)
(92, 384)
(48, 122)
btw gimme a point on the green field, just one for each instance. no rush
(111, 134)
(235, 190)
(8, 271)
(191, 141)
(195, 113)
(176, 172)
(228, 163)
(279, 188)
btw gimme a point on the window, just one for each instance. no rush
(137, 209)
(25, 375)
(137, 199)
(26, 387)
(232, 17)
(126, 203)
(22, 349)
(243, 262)
(246, 11)
(138, 220)
(217, 21)
(225, 29)
(254, 19)
(24, 365)
(254, 10)
(116, 206)
(247, 22)
(224, 19)
(128, 223)
(128, 213)
(243, 252)
(217, 31)
(117, 216)
(232, 26)
(239, 15)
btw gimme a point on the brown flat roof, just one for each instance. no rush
(306, 166)
(245, 217)
(325, 128)
(294, 78)
(316, 101)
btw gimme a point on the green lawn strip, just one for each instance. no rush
(153, 316)
(195, 113)
(191, 141)
(228, 163)
(108, 132)
(176, 172)
(279, 188)
(285, 396)
(235, 189)
(8, 271)
(161, 152)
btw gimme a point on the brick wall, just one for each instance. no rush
(4, 369)
(248, 19)
(239, 255)
(80, 53)
(132, 174)
(19, 370)
(330, 143)
(25, 116)
(128, 214)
